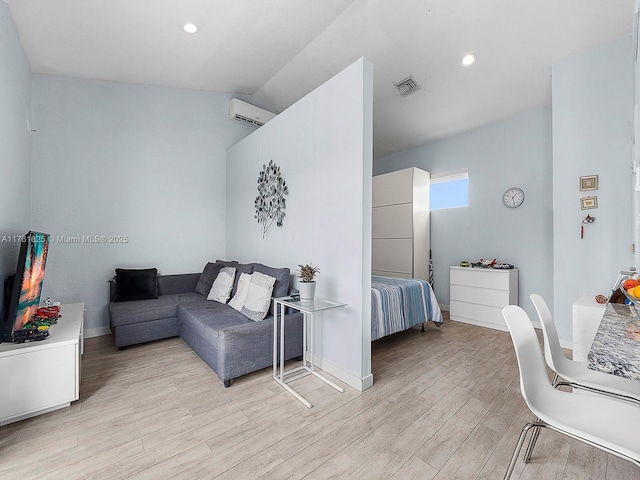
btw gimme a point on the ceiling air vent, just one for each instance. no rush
(407, 86)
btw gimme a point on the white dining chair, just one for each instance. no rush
(576, 374)
(602, 422)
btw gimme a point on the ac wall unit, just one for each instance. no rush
(248, 114)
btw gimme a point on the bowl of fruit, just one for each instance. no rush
(631, 289)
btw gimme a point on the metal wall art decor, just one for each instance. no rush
(270, 203)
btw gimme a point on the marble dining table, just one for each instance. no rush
(616, 346)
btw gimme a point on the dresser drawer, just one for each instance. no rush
(483, 315)
(481, 296)
(475, 277)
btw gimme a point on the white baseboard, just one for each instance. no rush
(444, 306)
(360, 384)
(367, 382)
(96, 332)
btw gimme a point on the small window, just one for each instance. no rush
(449, 189)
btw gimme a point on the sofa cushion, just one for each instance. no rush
(208, 318)
(283, 280)
(136, 284)
(137, 311)
(207, 277)
(222, 285)
(258, 298)
(237, 302)
(177, 283)
(240, 268)
(191, 297)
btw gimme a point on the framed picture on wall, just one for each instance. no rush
(589, 182)
(587, 203)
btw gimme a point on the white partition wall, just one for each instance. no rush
(323, 145)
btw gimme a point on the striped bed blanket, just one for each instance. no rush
(400, 303)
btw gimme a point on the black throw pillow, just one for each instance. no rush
(138, 284)
(207, 277)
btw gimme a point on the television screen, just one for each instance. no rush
(27, 283)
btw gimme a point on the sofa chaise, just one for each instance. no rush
(229, 342)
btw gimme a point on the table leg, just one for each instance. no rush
(308, 354)
(282, 345)
(311, 338)
(275, 339)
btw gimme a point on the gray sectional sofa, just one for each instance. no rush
(230, 343)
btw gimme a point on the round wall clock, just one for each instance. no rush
(514, 197)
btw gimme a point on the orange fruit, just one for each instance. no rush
(630, 283)
(634, 292)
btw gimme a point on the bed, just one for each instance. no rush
(401, 303)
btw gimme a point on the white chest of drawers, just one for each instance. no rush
(477, 295)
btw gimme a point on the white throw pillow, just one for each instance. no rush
(256, 304)
(222, 285)
(238, 299)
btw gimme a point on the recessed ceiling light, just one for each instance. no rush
(468, 60)
(190, 28)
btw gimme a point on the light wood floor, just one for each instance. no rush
(445, 405)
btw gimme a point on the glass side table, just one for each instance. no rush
(308, 310)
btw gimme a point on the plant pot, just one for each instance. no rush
(307, 290)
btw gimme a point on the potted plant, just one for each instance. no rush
(307, 284)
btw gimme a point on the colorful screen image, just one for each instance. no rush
(32, 277)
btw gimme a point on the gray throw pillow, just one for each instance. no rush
(207, 277)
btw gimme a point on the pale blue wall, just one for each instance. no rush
(592, 135)
(513, 152)
(15, 143)
(120, 159)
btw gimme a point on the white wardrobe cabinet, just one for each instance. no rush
(400, 224)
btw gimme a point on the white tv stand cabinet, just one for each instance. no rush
(39, 377)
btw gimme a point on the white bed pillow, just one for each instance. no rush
(256, 304)
(239, 298)
(222, 285)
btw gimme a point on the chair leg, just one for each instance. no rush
(532, 444)
(537, 425)
(516, 452)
